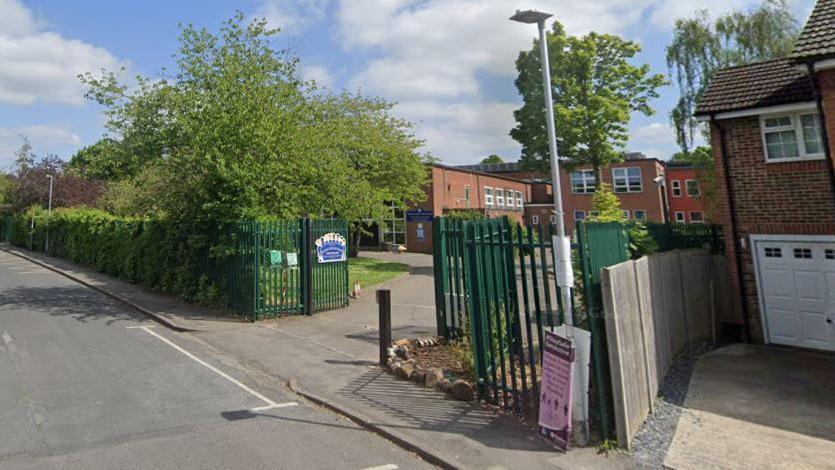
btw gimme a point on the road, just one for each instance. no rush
(87, 383)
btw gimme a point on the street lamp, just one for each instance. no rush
(48, 213)
(562, 246)
(661, 181)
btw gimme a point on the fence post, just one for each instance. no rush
(384, 301)
(307, 259)
(256, 288)
(440, 267)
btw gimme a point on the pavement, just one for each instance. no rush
(330, 359)
(752, 406)
(88, 382)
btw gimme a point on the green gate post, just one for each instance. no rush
(440, 268)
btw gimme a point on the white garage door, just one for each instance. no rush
(797, 282)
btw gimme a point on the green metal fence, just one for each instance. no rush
(269, 268)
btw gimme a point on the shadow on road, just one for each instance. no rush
(78, 302)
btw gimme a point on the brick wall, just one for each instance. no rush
(770, 198)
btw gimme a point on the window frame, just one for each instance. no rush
(698, 188)
(627, 188)
(488, 196)
(701, 214)
(626, 213)
(586, 188)
(683, 217)
(641, 211)
(582, 217)
(675, 185)
(498, 196)
(467, 196)
(510, 200)
(535, 219)
(796, 126)
(520, 200)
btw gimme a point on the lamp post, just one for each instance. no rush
(661, 181)
(48, 213)
(562, 247)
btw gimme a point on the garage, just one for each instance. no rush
(796, 282)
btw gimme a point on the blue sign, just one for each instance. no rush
(419, 215)
(331, 248)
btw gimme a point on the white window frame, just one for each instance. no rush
(626, 213)
(488, 196)
(582, 215)
(639, 211)
(796, 126)
(534, 220)
(702, 214)
(698, 188)
(508, 197)
(499, 197)
(520, 200)
(553, 219)
(467, 191)
(681, 217)
(588, 186)
(676, 185)
(625, 176)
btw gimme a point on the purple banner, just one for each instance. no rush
(556, 390)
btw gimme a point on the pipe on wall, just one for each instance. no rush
(746, 324)
(810, 69)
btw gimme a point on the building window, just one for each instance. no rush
(394, 226)
(640, 215)
(676, 188)
(792, 137)
(520, 200)
(697, 217)
(508, 197)
(830, 254)
(499, 198)
(771, 252)
(803, 253)
(680, 217)
(488, 197)
(467, 196)
(579, 215)
(693, 189)
(627, 180)
(625, 214)
(583, 181)
(553, 219)
(535, 220)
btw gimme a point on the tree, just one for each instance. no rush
(31, 184)
(237, 134)
(595, 87)
(492, 159)
(606, 205)
(700, 47)
(104, 160)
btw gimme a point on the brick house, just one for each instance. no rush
(770, 124)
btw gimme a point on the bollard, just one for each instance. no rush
(384, 301)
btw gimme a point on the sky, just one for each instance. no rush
(448, 64)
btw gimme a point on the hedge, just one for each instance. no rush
(157, 253)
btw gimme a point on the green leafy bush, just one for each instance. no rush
(157, 253)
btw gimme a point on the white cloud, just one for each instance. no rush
(45, 138)
(40, 65)
(318, 73)
(292, 15)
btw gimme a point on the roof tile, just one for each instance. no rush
(817, 40)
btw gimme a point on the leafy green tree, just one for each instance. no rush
(595, 88)
(7, 189)
(492, 159)
(700, 47)
(235, 133)
(105, 160)
(606, 205)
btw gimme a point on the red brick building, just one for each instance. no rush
(450, 189)
(770, 124)
(685, 194)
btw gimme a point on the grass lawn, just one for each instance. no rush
(370, 271)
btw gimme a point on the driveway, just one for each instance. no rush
(751, 406)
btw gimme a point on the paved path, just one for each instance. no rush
(88, 383)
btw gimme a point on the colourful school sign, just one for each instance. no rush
(556, 390)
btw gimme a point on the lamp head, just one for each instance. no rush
(530, 16)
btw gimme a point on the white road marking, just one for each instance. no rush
(389, 466)
(270, 404)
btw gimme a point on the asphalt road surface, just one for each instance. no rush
(87, 383)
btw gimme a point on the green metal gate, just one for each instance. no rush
(270, 268)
